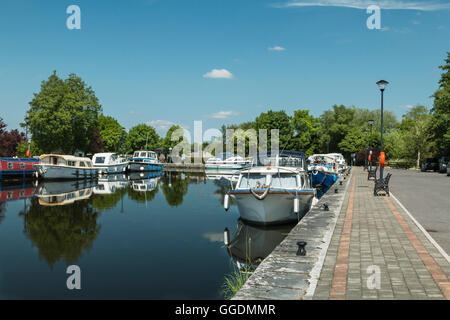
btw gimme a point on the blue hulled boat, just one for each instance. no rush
(323, 170)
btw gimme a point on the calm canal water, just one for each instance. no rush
(155, 238)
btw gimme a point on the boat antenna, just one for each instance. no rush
(146, 141)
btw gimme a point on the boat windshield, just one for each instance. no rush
(100, 160)
(284, 181)
(253, 181)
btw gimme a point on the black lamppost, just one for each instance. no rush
(370, 144)
(382, 85)
(365, 151)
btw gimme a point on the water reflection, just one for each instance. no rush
(61, 193)
(61, 231)
(174, 187)
(251, 244)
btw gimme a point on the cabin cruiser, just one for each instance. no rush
(275, 193)
(324, 170)
(56, 166)
(340, 160)
(56, 193)
(109, 163)
(227, 161)
(144, 161)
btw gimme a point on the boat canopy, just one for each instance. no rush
(66, 160)
(284, 158)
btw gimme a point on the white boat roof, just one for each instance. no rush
(65, 157)
(271, 170)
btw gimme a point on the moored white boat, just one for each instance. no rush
(56, 166)
(144, 161)
(274, 194)
(109, 162)
(227, 161)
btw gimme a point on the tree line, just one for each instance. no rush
(66, 116)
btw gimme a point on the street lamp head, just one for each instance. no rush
(382, 84)
(371, 122)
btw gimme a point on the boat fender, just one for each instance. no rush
(226, 202)
(296, 205)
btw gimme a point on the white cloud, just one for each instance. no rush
(421, 5)
(276, 48)
(408, 106)
(161, 124)
(218, 74)
(224, 114)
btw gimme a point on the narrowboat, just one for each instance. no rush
(109, 162)
(56, 166)
(144, 161)
(17, 167)
(276, 193)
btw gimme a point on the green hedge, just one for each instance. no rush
(402, 163)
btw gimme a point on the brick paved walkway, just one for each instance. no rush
(374, 234)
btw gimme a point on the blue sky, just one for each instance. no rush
(160, 61)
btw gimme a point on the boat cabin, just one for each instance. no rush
(65, 161)
(145, 154)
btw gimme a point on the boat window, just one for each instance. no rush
(55, 160)
(136, 154)
(100, 160)
(82, 164)
(10, 165)
(144, 154)
(252, 181)
(71, 163)
(22, 165)
(284, 181)
(113, 157)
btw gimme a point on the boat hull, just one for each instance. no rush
(276, 208)
(64, 172)
(113, 168)
(323, 179)
(141, 166)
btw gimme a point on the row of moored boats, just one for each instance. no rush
(277, 189)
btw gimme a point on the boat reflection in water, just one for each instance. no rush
(251, 244)
(13, 190)
(55, 193)
(109, 184)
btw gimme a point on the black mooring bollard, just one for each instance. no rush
(340, 183)
(336, 190)
(301, 248)
(325, 207)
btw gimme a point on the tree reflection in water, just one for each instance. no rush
(61, 232)
(108, 201)
(174, 187)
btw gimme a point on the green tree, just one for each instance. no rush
(111, 132)
(167, 141)
(416, 125)
(63, 114)
(440, 124)
(306, 132)
(275, 120)
(336, 124)
(139, 136)
(354, 141)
